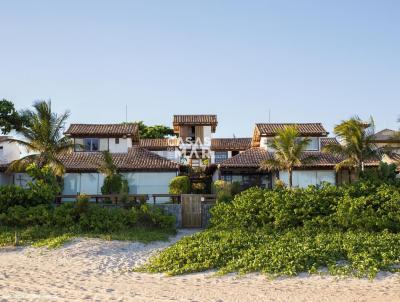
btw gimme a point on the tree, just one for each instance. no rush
(356, 144)
(11, 119)
(156, 131)
(114, 183)
(289, 149)
(43, 139)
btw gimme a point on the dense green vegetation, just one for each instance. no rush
(179, 185)
(351, 230)
(29, 212)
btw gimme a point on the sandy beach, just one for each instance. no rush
(98, 270)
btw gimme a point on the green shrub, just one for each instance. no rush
(385, 173)
(179, 185)
(82, 216)
(112, 184)
(18, 216)
(359, 206)
(375, 211)
(226, 191)
(43, 189)
(286, 253)
(151, 216)
(11, 195)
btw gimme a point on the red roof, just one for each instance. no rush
(135, 159)
(195, 119)
(158, 143)
(253, 158)
(305, 129)
(104, 130)
(230, 144)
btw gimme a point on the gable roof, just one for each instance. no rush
(195, 120)
(328, 140)
(230, 144)
(158, 143)
(136, 159)
(253, 158)
(305, 129)
(104, 130)
(386, 135)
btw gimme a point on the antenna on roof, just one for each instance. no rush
(126, 113)
(269, 115)
(234, 136)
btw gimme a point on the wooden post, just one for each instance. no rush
(16, 238)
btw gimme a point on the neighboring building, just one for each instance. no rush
(195, 134)
(10, 151)
(150, 164)
(224, 148)
(389, 141)
(245, 167)
(145, 171)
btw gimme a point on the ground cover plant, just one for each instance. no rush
(52, 226)
(349, 230)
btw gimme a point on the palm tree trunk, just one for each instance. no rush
(290, 178)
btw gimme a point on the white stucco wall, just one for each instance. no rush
(303, 179)
(9, 152)
(207, 135)
(124, 144)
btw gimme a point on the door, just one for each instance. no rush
(191, 210)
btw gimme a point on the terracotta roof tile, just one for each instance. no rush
(231, 144)
(387, 135)
(135, 159)
(195, 119)
(328, 140)
(306, 129)
(158, 143)
(103, 130)
(253, 157)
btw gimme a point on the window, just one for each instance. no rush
(235, 153)
(117, 140)
(221, 156)
(91, 144)
(227, 176)
(313, 145)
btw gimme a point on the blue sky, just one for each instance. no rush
(305, 61)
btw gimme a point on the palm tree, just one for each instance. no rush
(356, 137)
(107, 167)
(289, 149)
(43, 138)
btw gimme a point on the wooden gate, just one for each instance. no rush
(191, 210)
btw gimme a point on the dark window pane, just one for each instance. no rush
(220, 156)
(87, 142)
(95, 144)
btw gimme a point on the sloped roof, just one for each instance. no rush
(104, 130)
(328, 140)
(135, 159)
(231, 144)
(387, 135)
(253, 158)
(195, 119)
(4, 138)
(305, 129)
(158, 143)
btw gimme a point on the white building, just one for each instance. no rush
(146, 172)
